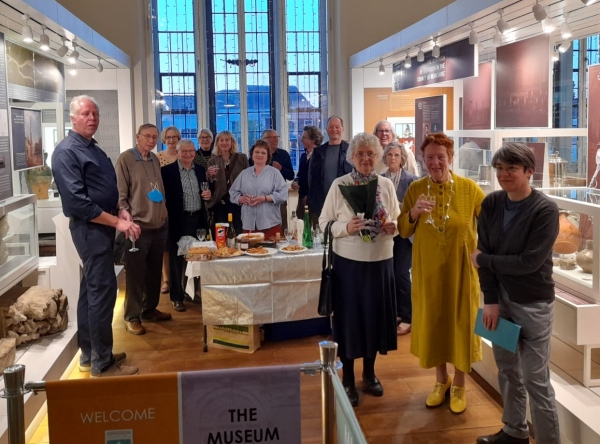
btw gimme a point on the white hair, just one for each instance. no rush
(74, 105)
(183, 142)
(364, 139)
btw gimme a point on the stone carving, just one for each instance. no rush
(8, 349)
(39, 311)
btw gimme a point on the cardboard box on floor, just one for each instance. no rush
(240, 338)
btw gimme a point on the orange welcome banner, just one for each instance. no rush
(114, 410)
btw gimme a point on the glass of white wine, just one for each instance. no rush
(201, 234)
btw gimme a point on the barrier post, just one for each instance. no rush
(14, 391)
(328, 352)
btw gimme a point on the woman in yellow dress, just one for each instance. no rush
(441, 211)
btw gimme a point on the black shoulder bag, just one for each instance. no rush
(325, 294)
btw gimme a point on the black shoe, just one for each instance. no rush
(373, 386)
(352, 395)
(501, 438)
(178, 306)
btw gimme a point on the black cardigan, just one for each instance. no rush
(519, 259)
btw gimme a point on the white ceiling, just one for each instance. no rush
(583, 20)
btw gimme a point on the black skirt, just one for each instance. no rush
(364, 307)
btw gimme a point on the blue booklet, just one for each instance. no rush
(506, 334)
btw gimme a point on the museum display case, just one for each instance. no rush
(19, 240)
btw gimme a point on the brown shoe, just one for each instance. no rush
(135, 328)
(87, 366)
(164, 288)
(178, 306)
(117, 370)
(156, 316)
(403, 329)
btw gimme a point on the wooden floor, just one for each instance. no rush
(399, 416)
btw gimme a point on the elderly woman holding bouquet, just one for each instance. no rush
(363, 208)
(441, 210)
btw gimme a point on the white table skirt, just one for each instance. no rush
(248, 290)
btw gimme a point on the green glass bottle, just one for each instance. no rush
(307, 239)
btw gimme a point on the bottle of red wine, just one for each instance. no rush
(230, 231)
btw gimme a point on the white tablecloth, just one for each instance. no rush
(248, 290)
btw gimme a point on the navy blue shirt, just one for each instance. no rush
(85, 178)
(284, 159)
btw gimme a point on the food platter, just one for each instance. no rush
(226, 253)
(293, 249)
(261, 252)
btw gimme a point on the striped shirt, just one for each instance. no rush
(191, 188)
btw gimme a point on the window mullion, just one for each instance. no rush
(241, 16)
(281, 90)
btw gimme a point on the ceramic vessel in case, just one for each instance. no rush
(569, 236)
(585, 258)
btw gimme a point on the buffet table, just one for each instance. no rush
(248, 290)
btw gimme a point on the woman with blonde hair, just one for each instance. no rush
(441, 211)
(224, 167)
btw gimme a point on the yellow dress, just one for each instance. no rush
(445, 285)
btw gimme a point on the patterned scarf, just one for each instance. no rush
(380, 213)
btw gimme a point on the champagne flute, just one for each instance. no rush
(431, 200)
(133, 248)
(204, 186)
(289, 235)
(201, 234)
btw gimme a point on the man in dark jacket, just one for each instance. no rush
(183, 192)
(516, 232)
(327, 163)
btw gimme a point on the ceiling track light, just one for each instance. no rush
(435, 52)
(473, 37)
(73, 70)
(420, 54)
(555, 55)
(381, 67)
(407, 61)
(74, 55)
(539, 12)
(503, 27)
(44, 40)
(62, 51)
(564, 46)
(26, 31)
(547, 25)
(565, 29)
(497, 39)
(99, 66)
(588, 2)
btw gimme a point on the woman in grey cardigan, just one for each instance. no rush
(395, 157)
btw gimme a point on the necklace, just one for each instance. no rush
(430, 220)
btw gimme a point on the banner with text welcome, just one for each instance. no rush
(457, 60)
(209, 407)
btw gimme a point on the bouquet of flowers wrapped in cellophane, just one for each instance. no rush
(364, 200)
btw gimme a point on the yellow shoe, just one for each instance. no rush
(436, 398)
(458, 400)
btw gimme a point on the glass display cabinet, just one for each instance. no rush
(19, 254)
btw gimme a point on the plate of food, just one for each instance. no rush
(199, 254)
(251, 238)
(261, 251)
(293, 249)
(227, 252)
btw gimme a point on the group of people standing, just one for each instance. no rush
(441, 226)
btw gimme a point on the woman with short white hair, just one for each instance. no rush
(364, 316)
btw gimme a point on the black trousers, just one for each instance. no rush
(177, 263)
(97, 292)
(143, 273)
(402, 266)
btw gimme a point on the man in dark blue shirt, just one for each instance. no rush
(87, 184)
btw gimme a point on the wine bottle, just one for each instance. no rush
(294, 226)
(230, 231)
(307, 239)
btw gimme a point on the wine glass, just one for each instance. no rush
(204, 186)
(201, 234)
(289, 234)
(431, 200)
(133, 248)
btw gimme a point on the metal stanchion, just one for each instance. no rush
(328, 351)
(14, 377)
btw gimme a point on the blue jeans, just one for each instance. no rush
(97, 292)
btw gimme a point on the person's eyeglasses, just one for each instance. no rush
(369, 155)
(510, 169)
(186, 152)
(395, 156)
(172, 138)
(205, 138)
(149, 137)
(384, 131)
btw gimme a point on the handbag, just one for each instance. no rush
(325, 307)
